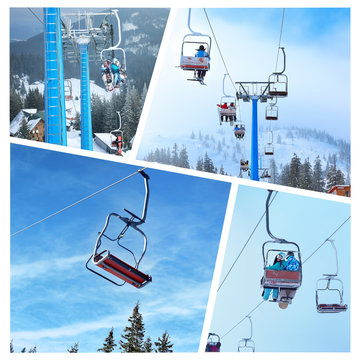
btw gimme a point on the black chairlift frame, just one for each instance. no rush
(128, 273)
(282, 279)
(331, 279)
(247, 343)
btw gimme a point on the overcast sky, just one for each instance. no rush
(317, 45)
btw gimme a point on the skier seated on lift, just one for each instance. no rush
(223, 106)
(232, 107)
(200, 52)
(106, 72)
(279, 264)
(117, 72)
(285, 295)
(118, 142)
(244, 163)
(239, 131)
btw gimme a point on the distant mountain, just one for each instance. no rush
(142, 31)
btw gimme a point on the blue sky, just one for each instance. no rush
(56, 302)
(308, 222)
(317, 45)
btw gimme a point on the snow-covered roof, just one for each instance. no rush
(23, 114)
(30, 111)
(33, 122)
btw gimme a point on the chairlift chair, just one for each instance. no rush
(229, 114)
(68, 90)
(112, 264)
(269, 149)
(117, 137)
(116, 49)
(247, 344)
(213, 343)
(188, 60)
(331, 284)
(278, 81)
(239, 133)
(244, 165)
(271, 112)
(279, 279)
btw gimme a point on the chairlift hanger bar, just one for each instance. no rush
(268, 221)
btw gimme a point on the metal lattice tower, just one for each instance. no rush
(55, 116)
(83, 41)
(86, 125)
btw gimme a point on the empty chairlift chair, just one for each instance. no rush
(330, 287)
(118, 268)
(278, 82)
(247, 344)
(271, 112)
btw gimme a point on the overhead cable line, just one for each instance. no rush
(258, 305)
(281, 30)
(217, 44)
(326, 240)
(241, 251)
(36, 16)
(78, 202)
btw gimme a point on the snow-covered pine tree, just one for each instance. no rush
(15, 103)
(294, 176)
(273, 171)
(208, 165)
(109, 344)
(285, 175)
(164, 345)
(200, 164)
(184, 159)
(175, 155)
(134, 333)
(24, 130)
(318, 182)
(306, 175)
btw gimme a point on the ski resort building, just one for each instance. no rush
(342, 190)
(35, 123)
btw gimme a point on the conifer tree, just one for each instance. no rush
(274, 172)
(109, 343)
(294, 175)
(148, 347)
(200, 164)
(184, 159)
(175, 155)
(306, 174)
(208, 165)
(134, 333)
(164, 345)
(15, 104)
(11, 346)
(74, 348)
(24, 131)
(318, 182)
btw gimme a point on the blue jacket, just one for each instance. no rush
(276, 266)
(202, 53)
(292, 264)
(115, 68)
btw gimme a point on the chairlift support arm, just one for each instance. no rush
(268, 221)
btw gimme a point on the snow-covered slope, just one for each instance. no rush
(224, 149)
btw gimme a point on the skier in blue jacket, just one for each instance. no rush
(200, 52)
(279, 264)
(116, 69)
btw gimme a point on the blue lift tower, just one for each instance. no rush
(77, 37)
(55, 117)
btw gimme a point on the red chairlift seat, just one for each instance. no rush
(213, 347)
(122, 270)
(331, 308)
(282, 278)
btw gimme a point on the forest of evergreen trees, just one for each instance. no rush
(132, 340)
(104, 112)
(299, 173)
